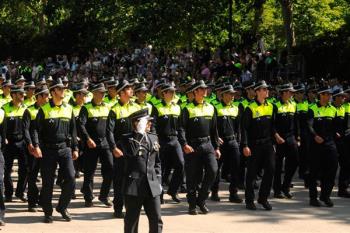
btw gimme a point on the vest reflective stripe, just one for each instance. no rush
(201, 110)
(148, 106)
(29, 102)
(76, 110)
(340, 111)
(125, 110)
(303, 106)
(261, 110)
(289, 107)
(347, 108)
(2, 116)
(171, 109)
(97, 111)
(324, 111)
(245, 103)
(33, 112)
(230, 110)
(65, 111)
(11, 111)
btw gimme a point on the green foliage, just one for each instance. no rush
(38, 27)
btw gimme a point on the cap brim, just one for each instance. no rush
(121, 88)
(169, 89)
(340, 94)
(42, 92)
(261, 86)
(288, 89)
(325, 91)
(58, 85)
(141, 89)
(229, 91)
(99, 90)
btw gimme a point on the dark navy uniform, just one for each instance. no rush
(166, 121)
(15, 148)
(141, 180)
(2, 166)
(198, 130)
(92, 124)
(55, 133)
(324, 156)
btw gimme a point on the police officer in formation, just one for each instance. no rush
(201, 140)
(92, 125)
(55, 142)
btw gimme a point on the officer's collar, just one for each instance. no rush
(327, 105)
(93, 103)
(259, 104)
(284, 102)
(36, 105)
(11, 104)
(121, 104)
(165, 104)
(195, 103)
(110, 97)
(52, 104)
(223, 103)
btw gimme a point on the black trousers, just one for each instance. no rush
(172, 158)
(49, 162)
(2, 204)
(203, 158)
(91, 157)
(118, 173)
(263, 157)
(323, 165)
(33, 171)
(230, 156)
(151, 205)
(12, 151)
(289, 152)
(304, 150)
(343, 147)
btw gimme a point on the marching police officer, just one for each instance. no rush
(323, 153)
(342, 129)
(2, 166)
(142, 179)
(199, 139)
(302, 117)
(92, 124)
(228, 123)
(141, 95)
(118, 123)
(258, 132)
(166, 117)
(112, 96)
(55, 141)
(5, 97)
(15, 144)
(29, 116)
(287, 128)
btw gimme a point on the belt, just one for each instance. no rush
(229, 138)
(55, 146)
(200, 140)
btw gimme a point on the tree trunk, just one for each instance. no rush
(287, 12)
(258, 12)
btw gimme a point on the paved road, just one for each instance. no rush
(287, 216)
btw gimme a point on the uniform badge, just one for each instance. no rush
(51, 121)
(156, 146)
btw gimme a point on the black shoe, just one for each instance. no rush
(291, 185)
(73, 197)
(214, 196)
(65, 214)
(162, 202)
(175, 197)
(265, 204)
(278, 195)
(183, 189)
(192, 211)
(48, 219)
(2, 223)
(106, 202)
(8, 199)
(32, 209)
(315, 202)
(287, 194)
(234, 198)
(89, 204)
(118, 214)
(327, 201)
(250, 206)
(344, 193)
(23, 198)
(77, 175)
(256, 186)
(203, 207)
